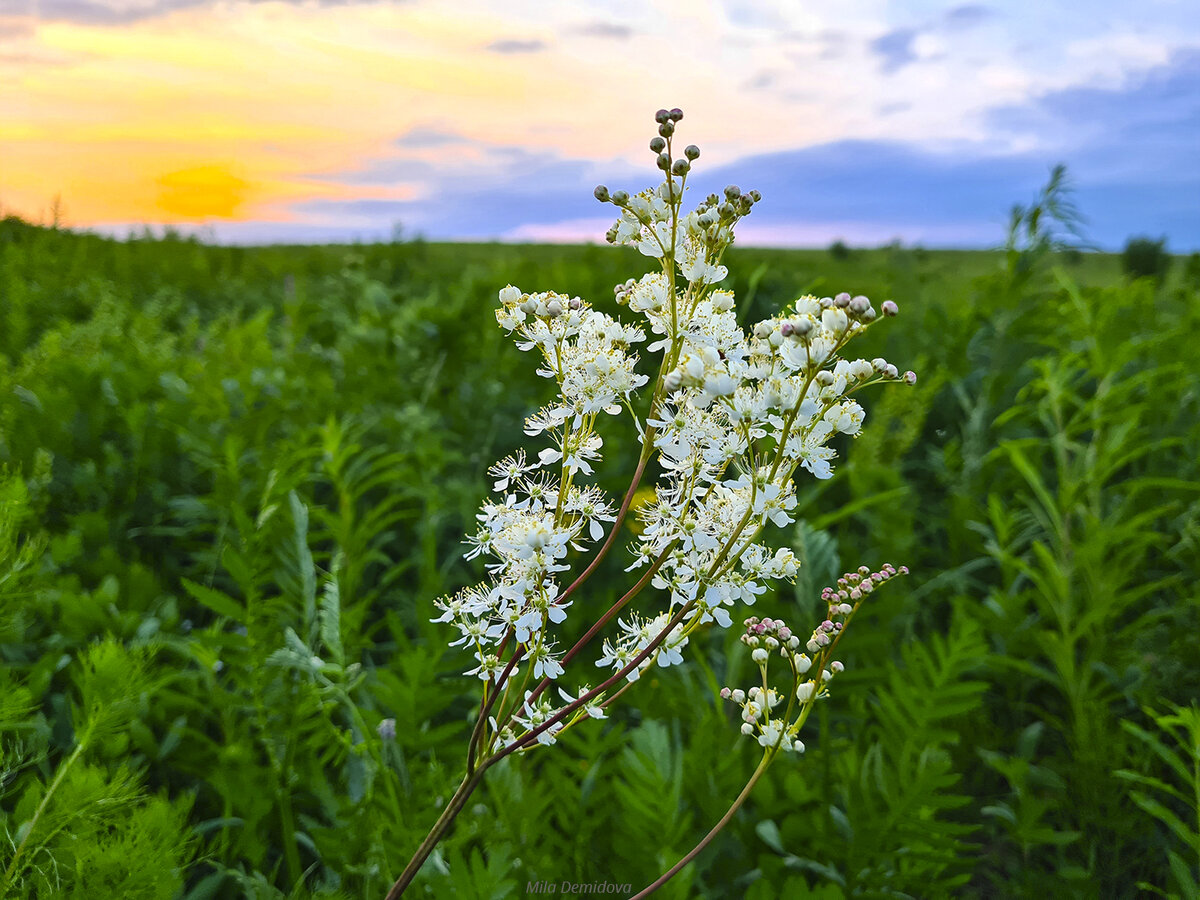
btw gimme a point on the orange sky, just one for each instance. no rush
(194, 112)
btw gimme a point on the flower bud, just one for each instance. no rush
(680, 167)
(575, 303)
(786, 329)
(601, 193)
(747, 729)
(667, 128)
(692, 152)
(528, 307)
(672, 382)
(805, 692)
(620, 198)
(739, 696)
(910, 377)
(509, 294)
(755, 196)
(657, 144)
(802, 327)
(803, 663)
(760, 656)
(725, 693)
(837, 667)
(732, 192)
(890, 308)
(554, 309)
(676, 114)
(661, 116)
(798, 746)
(664, 161)
(842, 300)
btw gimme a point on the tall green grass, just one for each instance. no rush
(235, 479)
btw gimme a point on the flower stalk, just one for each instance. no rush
(730, 419)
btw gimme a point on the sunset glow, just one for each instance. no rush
(273, 120)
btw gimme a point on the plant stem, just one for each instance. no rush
(12, 871)
(707, 839)
(439, 829)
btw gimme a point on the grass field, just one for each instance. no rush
(204, 447)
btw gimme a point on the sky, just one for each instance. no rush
(253, 121)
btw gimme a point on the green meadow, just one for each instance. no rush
(234, 480)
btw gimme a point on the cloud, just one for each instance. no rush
(106, 12)
(86, 12)
(1147, 129)
(1130, 153)
(423, 137)
(610, 30)
(967, 16)
(516, 45)
(895, 49)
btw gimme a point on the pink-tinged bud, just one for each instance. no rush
(837, 667)
(841, 301)
(826, 625)
(575, 303)
(910, 377)
(785, 633)
(856, 594)
(786, 329)
(845, 609)
(903, 570)
(767, 623)
(891, 371)
(726, 693)
(890, 308)
(863, 570)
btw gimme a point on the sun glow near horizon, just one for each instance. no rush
(354, 115)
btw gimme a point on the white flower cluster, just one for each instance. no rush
(767, 637)
(732, 416)
(543, 512)
(739, 415)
